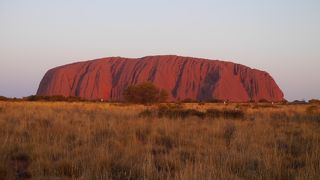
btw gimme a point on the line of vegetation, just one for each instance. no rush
(53, 98)
(148, 93)
(175, 112)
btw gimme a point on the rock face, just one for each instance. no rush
(182, 77)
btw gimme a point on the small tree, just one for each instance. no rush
(145, 93)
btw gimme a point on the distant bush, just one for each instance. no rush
(188, 100)
(176, 112)
(263, 101)
(2, 98)
(213, 113)
(179, 113)
(298, 102)
(52, 98)
(284, 102)
(226, 113)
(171, 106)
(233, 114)
(264, 105)
(147, 113)
(314, 101)
(145, 93)
(214, 101)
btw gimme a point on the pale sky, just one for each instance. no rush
(281, 37)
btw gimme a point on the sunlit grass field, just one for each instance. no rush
(82, 140)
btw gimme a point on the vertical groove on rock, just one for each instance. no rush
(209, 85)
(181, 70)
(153, 72)
(78, 88)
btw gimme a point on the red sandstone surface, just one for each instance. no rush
(182, 77)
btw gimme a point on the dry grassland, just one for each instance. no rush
(60, 140)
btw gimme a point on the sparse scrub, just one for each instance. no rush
(82, 140)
